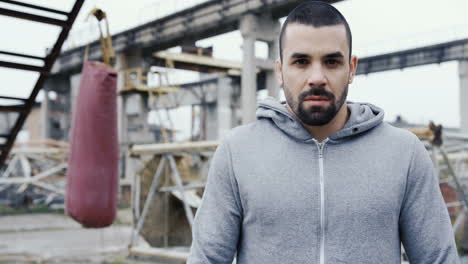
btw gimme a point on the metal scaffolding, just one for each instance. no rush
(176, 185)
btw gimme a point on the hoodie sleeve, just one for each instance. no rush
(217, 222)
(425, 227)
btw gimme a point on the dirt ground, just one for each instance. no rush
(55, 238)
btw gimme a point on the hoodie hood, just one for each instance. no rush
(363, 117)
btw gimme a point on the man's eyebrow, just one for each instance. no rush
(297, 55)
(337, 54)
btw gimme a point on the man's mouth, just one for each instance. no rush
(316, 100)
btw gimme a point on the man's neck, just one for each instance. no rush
(320, 133)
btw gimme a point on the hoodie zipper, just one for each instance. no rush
(322, 201)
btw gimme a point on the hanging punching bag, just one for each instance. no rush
(92, 176)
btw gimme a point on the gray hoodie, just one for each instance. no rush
(276, 195)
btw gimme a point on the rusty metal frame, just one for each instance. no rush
(138, 155)
(25, 109)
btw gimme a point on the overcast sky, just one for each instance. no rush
(418, 94)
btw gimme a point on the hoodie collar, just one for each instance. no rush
(363, 117)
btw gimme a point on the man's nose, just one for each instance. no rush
(316, 76)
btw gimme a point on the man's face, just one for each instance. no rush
(315, 71)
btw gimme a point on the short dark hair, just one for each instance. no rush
(317, 14)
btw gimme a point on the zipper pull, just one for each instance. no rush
(320, 145)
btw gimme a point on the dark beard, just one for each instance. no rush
(319, 115)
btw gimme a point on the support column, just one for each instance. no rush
(219, 114)
(74, 87)
(273, 54)
(132, 114)
(55, 112)
(135, 104)
(45, 112)
(211, 122)
(463, 75)
(120, 64)
(254, 28)
(224, 106)
(249, 75)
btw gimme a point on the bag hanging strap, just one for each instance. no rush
(86, 54)
(107, 50)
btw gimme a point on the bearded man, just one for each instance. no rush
(318, 179)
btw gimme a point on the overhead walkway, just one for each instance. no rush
(204, 20)
(438, 53)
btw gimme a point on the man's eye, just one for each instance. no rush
(332, 62)
(301, 62)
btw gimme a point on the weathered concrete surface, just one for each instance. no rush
(52, 238)
(463, 75)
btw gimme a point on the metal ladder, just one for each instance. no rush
(22, 106)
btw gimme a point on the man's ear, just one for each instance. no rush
(278, 72)
(352, 68)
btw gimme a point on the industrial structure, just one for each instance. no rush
(158, 178)
(141, 47)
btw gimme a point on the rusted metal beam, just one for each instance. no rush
(12, 108)
(152, 149)
(21, 55)
(199, 63)
(34, 7)
(33, 17)
(21, 66)
(13, 98)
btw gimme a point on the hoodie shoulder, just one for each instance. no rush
(393, 134)
(248, 132)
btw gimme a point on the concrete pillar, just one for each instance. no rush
(463, 75)
(254, 28)
(122, 122)
(236, 117)
(75, 80)
(45, 113)
(249, 77)
(132, 58)
(120, 64)
(219, 114)
(212, 122)
(133, 110)
(273, 54)
(136, 110)
(55, 125)
(224, 105)
(74, 90)
(132, 113)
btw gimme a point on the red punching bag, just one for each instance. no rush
(92, 176)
